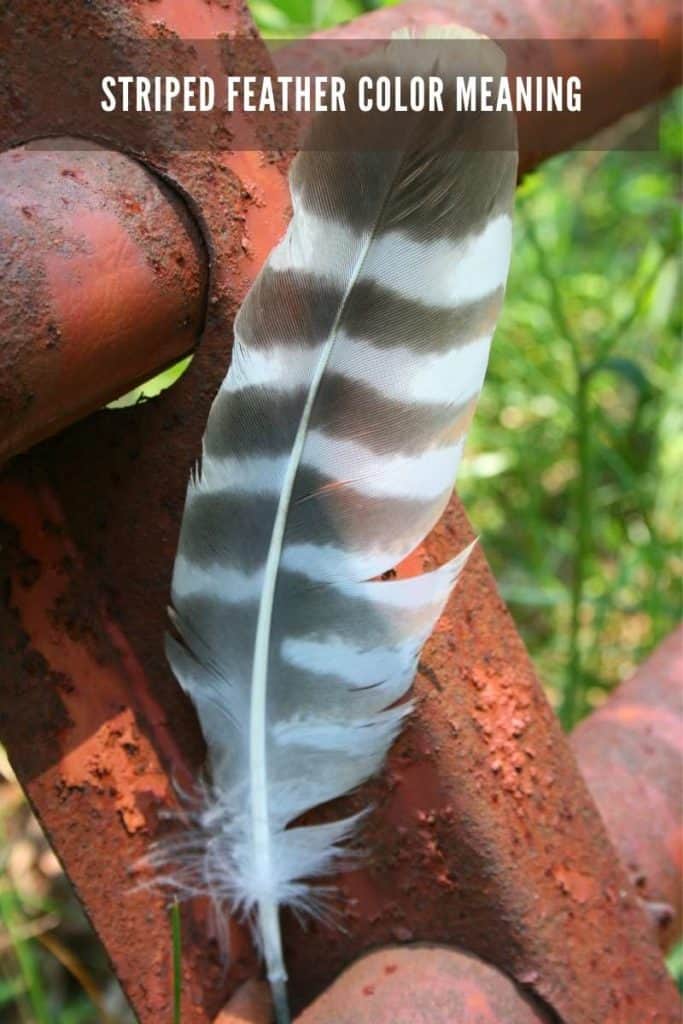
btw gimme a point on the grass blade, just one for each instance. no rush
(177, 961)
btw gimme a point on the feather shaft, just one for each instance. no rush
(267, 907)
(268, 910)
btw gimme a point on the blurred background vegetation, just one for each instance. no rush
(574, 460)
(572, 480)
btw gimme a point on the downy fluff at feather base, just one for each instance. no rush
(330, 452)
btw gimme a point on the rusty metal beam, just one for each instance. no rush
(630, 753)
(484, 835)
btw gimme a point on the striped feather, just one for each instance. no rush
(329, 453)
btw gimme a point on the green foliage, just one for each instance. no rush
(286, 19)
(575, 451)
(28, 983)
(675, 965)
(52, 970)
(153, 387)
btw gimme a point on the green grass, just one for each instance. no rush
(575, 452)
(177, 956)
(286, 19)
(28, 982)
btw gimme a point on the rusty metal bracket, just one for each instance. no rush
(485, 835)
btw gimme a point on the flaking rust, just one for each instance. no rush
(95, 764)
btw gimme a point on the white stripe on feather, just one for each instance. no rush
(444, 272)
(315, 243)
(408, 375)
(419, 477)
(282, 368)
(368, 737)
(335, 656)
(253, 474)
(222, 582)
(398, 373)
(426, 591)
(335, 564)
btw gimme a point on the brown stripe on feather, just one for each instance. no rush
(463, 191)
(311, 687)
(256, 420)
(349, 410)
(262, 421)
(304, 609)
(301, 310)
(328, 512)
(285, 306)
(226, 523)
(445, 179)
(339, 171)
(457, 173)
(386, 319)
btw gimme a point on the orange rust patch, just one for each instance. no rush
(113, 753)
(580, 887)
(118, 757)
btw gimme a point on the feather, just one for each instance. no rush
(330, 452)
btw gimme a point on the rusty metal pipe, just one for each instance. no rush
(534, 19)
(423, 985)
(630, 753)
(103, 284)
(420, 984)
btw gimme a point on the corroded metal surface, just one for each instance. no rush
(420, 984)
(423, 985)
(103, 282)
(631, 754)
(483, 834)
(93, 748)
